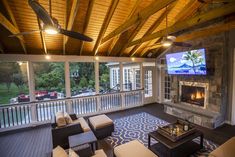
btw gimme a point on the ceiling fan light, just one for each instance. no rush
(166, 43)
(51, 30)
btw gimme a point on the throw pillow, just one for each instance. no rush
(72, 153)
(59, 152)
(60, 120)
(68, 118)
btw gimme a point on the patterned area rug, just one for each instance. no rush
(139, 125)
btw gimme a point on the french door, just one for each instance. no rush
(149, 85)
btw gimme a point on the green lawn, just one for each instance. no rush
(5, 96)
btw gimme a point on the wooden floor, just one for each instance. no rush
(36, 142)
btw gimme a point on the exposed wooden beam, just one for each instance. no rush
(121, 44)
(153, 27)
(88, 16)
(105, 24)
(219, 28)
(206, 31)
(186, 12)
(42, 37)
(144, 14)
(115, 39)
(72, 16)
(212, 14)
(11, 28)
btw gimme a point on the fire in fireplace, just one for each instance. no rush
(193, 95)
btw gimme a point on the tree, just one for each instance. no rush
(49, 76)
(194, 57)
(19, 80)
(7, 69)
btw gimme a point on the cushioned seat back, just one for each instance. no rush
(60, 135)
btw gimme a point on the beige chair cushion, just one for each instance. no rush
(59, 152)
(225, 150)
(60, 120)
(100, 121)
(133, 149)
(68, 118)
(99, 153)
(84, 125)
(72, 153)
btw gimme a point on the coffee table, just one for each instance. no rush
(181, 148)
(83, 138)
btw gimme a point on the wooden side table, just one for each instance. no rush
(83, 138)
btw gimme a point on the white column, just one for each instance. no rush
(121, 85)
(31, 85)
(141, 76)
(121, 76)
(69, 107)
(67, 80)
(97, 85)
(31, 82)
(97, 81)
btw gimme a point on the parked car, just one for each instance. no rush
(23, 98)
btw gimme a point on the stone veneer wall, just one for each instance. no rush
(216, 58)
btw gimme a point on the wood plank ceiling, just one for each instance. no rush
(116, 26)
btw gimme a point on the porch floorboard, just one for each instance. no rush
(37, 142)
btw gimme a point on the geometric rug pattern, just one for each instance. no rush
(139, 125)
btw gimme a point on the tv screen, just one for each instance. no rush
(191, 62)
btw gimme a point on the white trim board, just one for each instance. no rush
(71, 58)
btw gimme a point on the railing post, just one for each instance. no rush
(69, 107)
(142, 97)
(98, 101)
(123, 100)
(34, 112)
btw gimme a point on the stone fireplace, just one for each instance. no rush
(201, 99)
(194, 93)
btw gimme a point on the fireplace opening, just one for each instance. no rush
(193, 95)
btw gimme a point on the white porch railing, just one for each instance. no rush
(44, 111)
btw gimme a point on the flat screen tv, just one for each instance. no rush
(192, 62)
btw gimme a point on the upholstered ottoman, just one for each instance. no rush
(133, 149)
(101, 125)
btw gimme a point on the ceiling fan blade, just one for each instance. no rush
(76, 35)
(182, 44)
(24, 33)
(156, 44)
(41, 12)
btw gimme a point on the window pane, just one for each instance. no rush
(131, 76)
(148, 83)
(109, 76)
(82, 78)
(49, 80)
(13, 82)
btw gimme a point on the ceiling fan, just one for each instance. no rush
(169, 40)
(214, 1)
(51, 25)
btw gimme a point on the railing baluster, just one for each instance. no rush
(45, 110)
